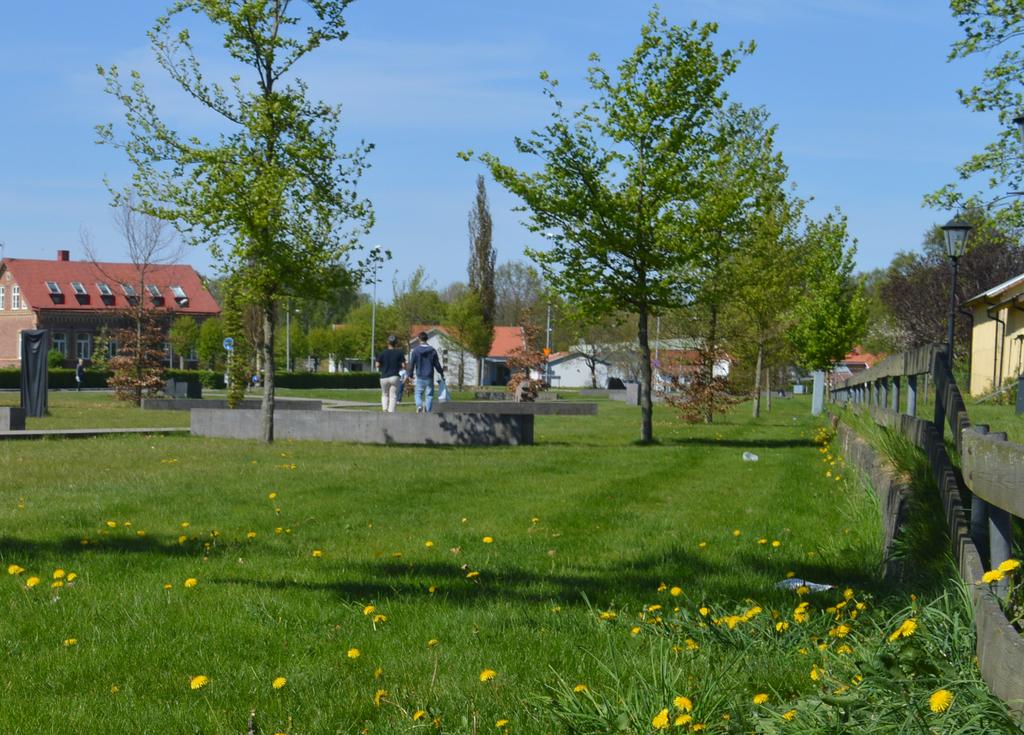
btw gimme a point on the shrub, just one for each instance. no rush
(55, 359)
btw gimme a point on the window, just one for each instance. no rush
(154, 290)
(129, 290)
(112, 348)
(53, 288)
(15, 297)
(179, 292)
(60, 343)
(3, 298)
(83, 346)
(104, 289)
(79, 288)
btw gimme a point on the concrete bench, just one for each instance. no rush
(187, 404)
(630, 396)
(369, 427)
(504, 395)
(12, 419)
(542, 408)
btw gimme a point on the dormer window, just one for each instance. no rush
(79, 289)
(179, 292)
(129, 290)
(154, 290)
(104, 289)
(54, 288)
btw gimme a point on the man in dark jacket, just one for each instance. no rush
(423, 361)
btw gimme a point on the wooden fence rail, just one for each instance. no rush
(993, 472)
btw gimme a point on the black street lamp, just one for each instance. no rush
(956, 232)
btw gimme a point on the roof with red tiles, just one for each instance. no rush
(34, 276)
(505, 341)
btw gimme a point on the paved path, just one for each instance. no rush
(76, 433)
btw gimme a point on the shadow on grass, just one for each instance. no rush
(625, 582)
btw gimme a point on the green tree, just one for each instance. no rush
(991, 29)
(270, 197)
(184, 337)
(831, 315)
(619, 178)
(210, 344)
(415, 301)
(470, 331)
(482, 254)
(518, 290)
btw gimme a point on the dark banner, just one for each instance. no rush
(35, 345)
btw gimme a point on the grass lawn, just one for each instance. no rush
(94, 409)
(594, 578)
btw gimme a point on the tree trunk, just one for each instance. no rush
(646, 406)
(757, 380)
(768, 387)
(267, 407)
(709, 368)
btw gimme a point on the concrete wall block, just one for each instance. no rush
(12, 419)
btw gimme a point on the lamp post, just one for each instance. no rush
(956, 232)
(288, 334)
(376, 257)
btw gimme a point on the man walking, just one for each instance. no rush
(424, 361)
(390, 362)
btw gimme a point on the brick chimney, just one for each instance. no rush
(64, 255)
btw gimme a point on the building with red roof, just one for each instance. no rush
(74, 300)
(455, 357)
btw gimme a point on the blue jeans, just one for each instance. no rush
(424, 393)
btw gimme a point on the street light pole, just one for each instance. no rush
(288, 334)
(956, 232)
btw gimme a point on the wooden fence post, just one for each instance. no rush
(912, 395)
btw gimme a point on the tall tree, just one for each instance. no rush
(831, 315)
(270, 196)
(518, 290)
(619, 178)
(473, 335)
(482, 255)
(183, 337)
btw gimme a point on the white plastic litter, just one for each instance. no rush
(793, 583)
(750, 457)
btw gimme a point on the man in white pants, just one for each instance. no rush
(390, 362)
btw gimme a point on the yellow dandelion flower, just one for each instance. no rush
(432, 642)
(379, 696)
(488, 674)
(803, 590)
(353, 653)
(762, 541)
(692, 644)
(906, 629)
(840, 631)
(781, 626)
(182, 538)
(789, 716)
(431, 589)
(369, 610)
(736, 532)
(760, 698)
(940, 700)
(579, 688)
(59, 574)
(635, 630)
(501, 723)
(683, 704)
(380, 619)
(279, 682)
(318, 553)
(198, 682)
(250, 535)
(429, 544)
(704, 612)
(472, 575)
(488, 540)
(697, 727)
(776, 544)
(418, 715)
(608, 615)
(676, 591)
(662, 587)
(271, 496)
(57, 583)
(114, 688)
(844, 650)
(191, 582)
(681, 720)
(72, 576)
(32, 581)
(111, 524)
(378, 672)
(185, 524)
(660, 720)
(1010, 565)
(702, 545)
(278, 530)
(816, 673)
(15, 569)
(993, 576)
(70, 641)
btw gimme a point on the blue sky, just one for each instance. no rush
(865, 102)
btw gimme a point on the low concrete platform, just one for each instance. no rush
(369, 427)
(537, 408)
(504, 395)
(85, 433)
(187, 404)
(12, 419)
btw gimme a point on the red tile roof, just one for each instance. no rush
(32, 275)
(506, 339)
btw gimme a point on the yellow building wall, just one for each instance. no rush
(996, 357)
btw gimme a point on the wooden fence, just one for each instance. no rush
(992, 470)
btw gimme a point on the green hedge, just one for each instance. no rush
(10, 378)
(327, 380)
